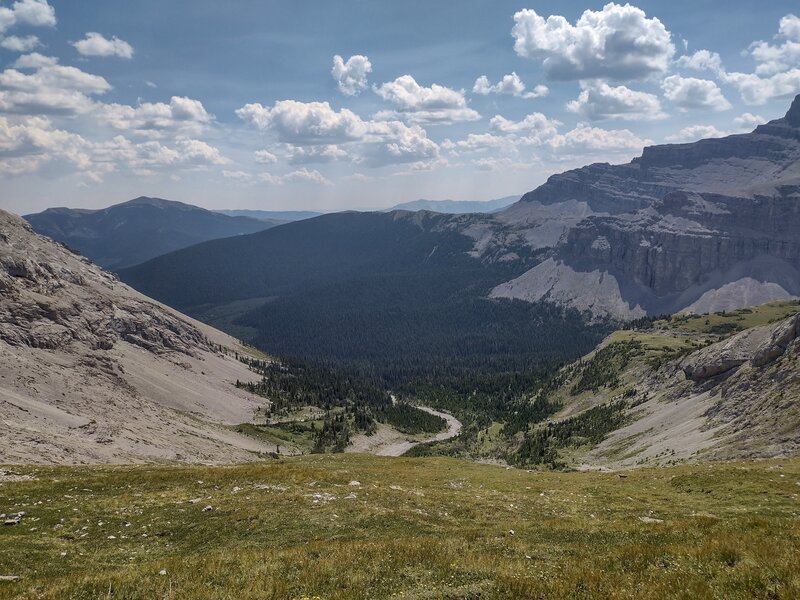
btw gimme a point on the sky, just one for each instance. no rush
(319, 105)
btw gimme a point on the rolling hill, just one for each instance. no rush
(132, 232)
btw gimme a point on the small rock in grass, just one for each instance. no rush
(162, 572)
(650, 520)
(208, 508)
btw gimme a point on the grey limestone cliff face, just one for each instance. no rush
(687, 239)
(687, 226)
(765, 157)
(52, 298)
(92, 371)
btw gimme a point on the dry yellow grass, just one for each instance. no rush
(411, 528)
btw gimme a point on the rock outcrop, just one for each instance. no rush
(92, 371)
(723, 357)
(686, 226)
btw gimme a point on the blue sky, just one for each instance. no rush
(243, 104)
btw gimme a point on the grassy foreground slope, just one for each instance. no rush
(350, 526)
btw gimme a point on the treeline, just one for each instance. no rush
(350, 403)
(605, 367)
(410, 419)
(410, 328)
(541, 445)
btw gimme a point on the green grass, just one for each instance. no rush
(743, 318)
(413, 528)
(292, 437)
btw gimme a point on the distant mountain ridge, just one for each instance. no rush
(394, 292)
(708, 226)
(135, 231)
(272, 215)
(457, 207)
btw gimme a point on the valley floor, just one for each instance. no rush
(358, 526)
(387, 441)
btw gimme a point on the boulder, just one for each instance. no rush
(725, 356)
(776, 344)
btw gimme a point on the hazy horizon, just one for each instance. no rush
(365, 105)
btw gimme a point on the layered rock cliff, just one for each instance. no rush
(706, 226)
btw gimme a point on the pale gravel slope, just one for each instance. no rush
(92, 371)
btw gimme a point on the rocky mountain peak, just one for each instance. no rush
(793, 115)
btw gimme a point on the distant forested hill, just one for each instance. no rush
(132, 232)
(395, 294)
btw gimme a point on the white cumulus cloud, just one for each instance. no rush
(305, 122)
(535, 124)
(420, 104)
(182, 115)
(51, 89)
(265, 157)
(315, 132)
(34, 60)
(702, 60)
(748, 121)
(693, 93)
(692, 133)
(586, 138)
(598, 101)
(617, 42)
(776, 58)
(510, 84)
(37, 13)
(300, 176)
(351, 76)
(777, 73)
(95, 44)
(20, 44)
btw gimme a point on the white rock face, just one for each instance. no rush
(553, 281)
(743, 292)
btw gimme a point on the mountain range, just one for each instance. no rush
(395, 292)
(272, 216)
(132, 232)
(94, 371)
(457, 207)
(471, 312)
(706, 226)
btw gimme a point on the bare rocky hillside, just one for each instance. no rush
(93, 371)
(717, 386)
